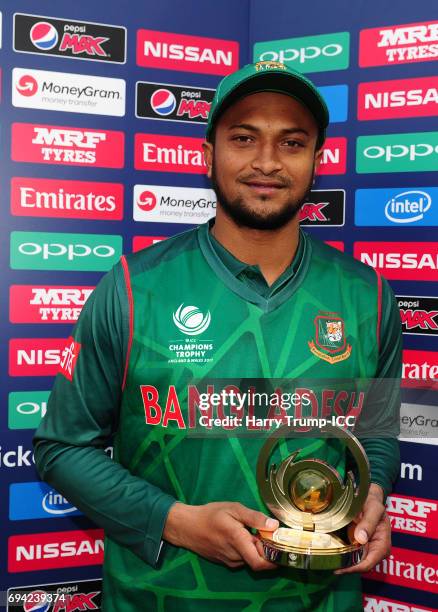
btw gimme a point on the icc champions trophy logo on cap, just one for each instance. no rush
(163, 102)
(44, 36)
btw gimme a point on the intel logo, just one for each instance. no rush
(408, 207)
(55, 503)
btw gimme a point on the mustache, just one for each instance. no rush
(281, 180)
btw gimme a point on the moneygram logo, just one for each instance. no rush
(42, 551)
(334, 156)
(420, 367)
(325, 207)
(419, 315)
(53, 251)
(409, 568)
(36, 500)
(399, 44)
(39, 197)
(418, 422)
(143, 242)
(190, 320)
(189, 53)
(173, 204)
(400, 260)
(169, 153)
(66, 596)
(417, 152)
(46, 304)
(414, 516)
(401, 206)
(62, 91)
(47, 144)
(398, 99)
(25, 85)
(375, 603)
(26, 408)
(69, 38)
(309, 53)
(35, 356)
(173, 102)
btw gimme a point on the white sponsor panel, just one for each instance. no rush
(419, 423)
(173, 204)
(64, 91)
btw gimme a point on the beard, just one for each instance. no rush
(244, 215)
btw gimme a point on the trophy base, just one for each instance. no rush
(336, 553)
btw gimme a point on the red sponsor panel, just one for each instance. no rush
(189, 53)
(68, 146)
(420, 368)
(42, 551)
(399, 44)
(39, 197)
(400, 260)
(398, 99)
(142, 242)
(375, 603)
(408, 568)
(46, 304)
(169, 153)
(35, 356)
(413, 515)
(336, 244)
(334, 156)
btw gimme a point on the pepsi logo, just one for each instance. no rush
(146, 200)
(44, 35)
(36, 601)
(163, 102)
(27, 85)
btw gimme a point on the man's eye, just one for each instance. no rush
(242, 138)
(293, 143)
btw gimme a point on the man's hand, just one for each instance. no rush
(218, 532)
(374, 529)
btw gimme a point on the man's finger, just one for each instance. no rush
(245, 543)
(255, 519)
(371, 517)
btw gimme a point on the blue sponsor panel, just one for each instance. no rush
(36, 500)
(397, 206)
(336, 97)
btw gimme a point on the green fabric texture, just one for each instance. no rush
(250, 335)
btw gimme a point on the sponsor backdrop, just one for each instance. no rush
(101, 133)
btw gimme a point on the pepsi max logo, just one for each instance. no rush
(173, 102)
(37, 601)
(69, 38)
(324, 207)
(27, 85)
(163, 102)
(44, 36)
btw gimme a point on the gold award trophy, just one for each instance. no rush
(310, 497)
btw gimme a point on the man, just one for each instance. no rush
(238, 297)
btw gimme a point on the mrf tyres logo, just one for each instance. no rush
(413, 516)
(402, 206)
(54, 251)
(70, 146)
(398, 99)
(46, 304)
(376, 603)
(68, 92)
(399, 44)
(419, 315)
(188, 53)
(56, 597)
(190, 321)
(400, 260)
(173, 102)
(69, 38)
(325, 207)
(309, 53)
(414, 152)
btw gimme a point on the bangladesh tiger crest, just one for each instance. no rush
(330, 342)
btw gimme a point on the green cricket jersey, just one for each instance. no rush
(164, 318)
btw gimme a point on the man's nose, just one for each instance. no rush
(267, 159)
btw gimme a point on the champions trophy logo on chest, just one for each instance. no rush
(330, 343)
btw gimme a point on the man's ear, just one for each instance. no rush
(318, 159)
(208, 156)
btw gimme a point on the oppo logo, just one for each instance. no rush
(408, 206)
(302, 54)
(27, 408)
(389, 152)
(72, 251)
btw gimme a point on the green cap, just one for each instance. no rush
(269, 76)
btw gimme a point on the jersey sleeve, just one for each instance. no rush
(82, 414)
(383, 409)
